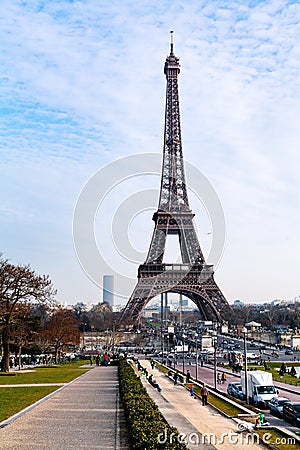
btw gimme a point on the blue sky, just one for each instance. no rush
(82, 85)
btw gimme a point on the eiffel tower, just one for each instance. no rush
(193, 278)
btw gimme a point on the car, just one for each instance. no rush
(291, 413)
(289, 352)
(276, 405)
(234, 388)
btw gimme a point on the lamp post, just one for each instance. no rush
(175, 354)
(246, 367)
(196, 358)
(113, 336)
(162, 322)
(215, 362)
(183, 354)
(83, 335)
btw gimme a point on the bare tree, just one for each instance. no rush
(24, 325)
(101, 316)
(62, 330)
(18, 284)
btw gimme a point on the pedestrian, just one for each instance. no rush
(188, 377)
(97, 360)
(157, 386)
(204, 394)
(223, 377)
(175, 376)
(106, 359)
(192, 390)
(257, 423)
(152, 364)
(219, 378)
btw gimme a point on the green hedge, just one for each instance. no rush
(147, 427)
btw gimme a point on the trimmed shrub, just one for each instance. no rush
(147, 427)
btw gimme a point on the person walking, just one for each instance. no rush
(192, 392)
(219, 378)
(175, 378)
(223, 377)
(204, 394)
(106, 359)
(188, 376)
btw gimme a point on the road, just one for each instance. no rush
(206, 375)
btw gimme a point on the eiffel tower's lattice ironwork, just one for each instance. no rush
(193, 278)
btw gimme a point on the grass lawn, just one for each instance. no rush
(50, 374)
(223, 405)
(15, 399)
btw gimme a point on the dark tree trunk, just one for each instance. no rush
(56, 355)
(6, 353)
(20, 356)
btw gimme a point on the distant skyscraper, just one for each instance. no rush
(108, 289)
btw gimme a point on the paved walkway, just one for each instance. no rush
(199, 424)
(84, 414)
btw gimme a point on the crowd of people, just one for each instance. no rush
(100, 360)
(148, 377)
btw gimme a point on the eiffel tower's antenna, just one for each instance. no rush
(172, 42)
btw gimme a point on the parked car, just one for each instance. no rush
(289, 352)
(234, 388)
(276, 405)
(291, 413)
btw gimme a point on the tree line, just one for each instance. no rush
(31, 318)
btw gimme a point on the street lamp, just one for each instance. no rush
(197, 358)
(183, 354)
(244, 330)
(83, 335)
(215, 362)
(113, 336)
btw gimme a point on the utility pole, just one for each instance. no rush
(246, 365)
(180, 310)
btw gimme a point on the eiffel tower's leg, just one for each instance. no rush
(190, 248)
(157, 247)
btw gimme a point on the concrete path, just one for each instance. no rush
(84, 414)
(202, 426)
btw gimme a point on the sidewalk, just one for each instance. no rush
(84, 414)
(194, 420)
